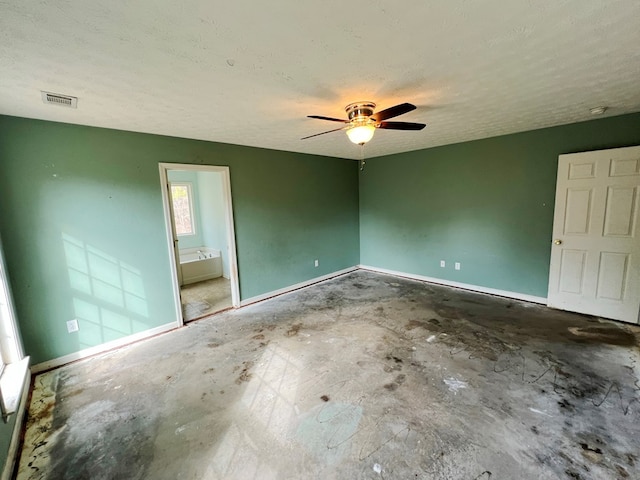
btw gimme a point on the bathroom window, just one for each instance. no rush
(182, 201)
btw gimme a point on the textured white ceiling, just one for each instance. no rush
(248, 72)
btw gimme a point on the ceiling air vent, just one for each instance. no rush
(59, 99)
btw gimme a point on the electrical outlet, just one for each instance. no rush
(72, 326)
(457, 266)
(316, 263)
(442, 264)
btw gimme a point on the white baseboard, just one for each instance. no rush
(103, 347)
(88, 352)
(57, 362)
(297, 286)
(464, 286)
(16, 434)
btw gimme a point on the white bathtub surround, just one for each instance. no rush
(199, 264)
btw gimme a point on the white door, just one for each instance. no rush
(174, 235)
(595, 257)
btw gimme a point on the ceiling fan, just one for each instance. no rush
(362, 122)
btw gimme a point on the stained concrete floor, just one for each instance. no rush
(365, 376)
(205, 298)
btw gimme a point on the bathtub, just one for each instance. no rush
(198, 264)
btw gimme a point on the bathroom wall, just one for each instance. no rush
(209, 212)
(213, 215)
(196, 240)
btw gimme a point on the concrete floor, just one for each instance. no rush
(365, 376)
(205, 298)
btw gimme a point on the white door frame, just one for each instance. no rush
(231, 236)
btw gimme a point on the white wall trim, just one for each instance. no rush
(297, 286)
(231, 235)
(102, 348)
(88, 352)
(464, 286)
(173, 263)
(121, 342)
(16, 437)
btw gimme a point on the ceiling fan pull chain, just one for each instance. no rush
(362, 162)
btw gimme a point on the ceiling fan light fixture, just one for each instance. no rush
(362, 122)
(361, 134)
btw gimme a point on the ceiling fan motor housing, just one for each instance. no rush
(360, 110)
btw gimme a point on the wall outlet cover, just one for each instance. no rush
(442, 263)
(457, 266)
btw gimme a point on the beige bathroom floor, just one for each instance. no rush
(205, 298)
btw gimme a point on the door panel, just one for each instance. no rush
(595, 256)
(622, 167)
(578, 211)
(572, 271)
(582, 170)
(612, 275)
(620, 211)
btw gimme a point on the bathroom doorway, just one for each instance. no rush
(200, 231)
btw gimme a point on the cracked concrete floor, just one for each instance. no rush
(366, 376)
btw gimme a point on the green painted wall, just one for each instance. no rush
(84, 235)
(487, 204)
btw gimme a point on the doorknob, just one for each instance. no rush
(557, 241)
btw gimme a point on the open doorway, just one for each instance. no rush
(199, 219)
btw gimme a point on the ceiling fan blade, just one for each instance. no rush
(320, 117)
(401, 125)
(393, 111)
(329, 131)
